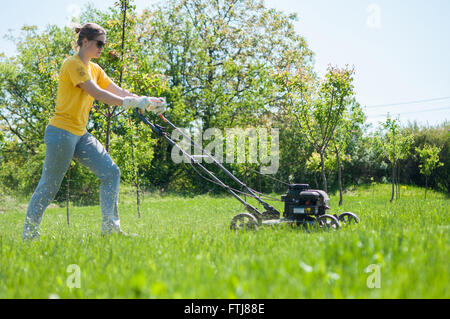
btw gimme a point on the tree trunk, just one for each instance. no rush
(426, 186)
(394, 162)
(324, 178)
(398, 180)
(339, 175)
(259, 179)
(108, 128)
(245, 182)
(124, 4)
(393, 181)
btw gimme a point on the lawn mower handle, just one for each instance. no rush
(160, 131)
(268, 207)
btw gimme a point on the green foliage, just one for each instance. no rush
(349, 128)
(29, 177)
(143, 149)
(28, 83)
(429, 158)
(222, 53)
(313, 164)
(24, 178)
(396, 143)
(439, 137)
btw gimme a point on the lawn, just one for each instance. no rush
(186, 250)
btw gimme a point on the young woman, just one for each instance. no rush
(80, 82)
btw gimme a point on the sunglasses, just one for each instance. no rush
(100, 44)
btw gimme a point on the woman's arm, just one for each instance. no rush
(114, 89)
(104, 96)
(101, 95)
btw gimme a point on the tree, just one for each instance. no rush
(28, 83)
(394, 144)
(221, 53)
(429, 158)
(220, 56)
(350, 124)
(316, 106)
(314, 165)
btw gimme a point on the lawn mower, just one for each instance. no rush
(302, 205)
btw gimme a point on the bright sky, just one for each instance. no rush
(400, 49)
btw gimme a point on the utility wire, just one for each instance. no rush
(423, 111)
(410, 102)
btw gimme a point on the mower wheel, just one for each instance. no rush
(244, 221)
(348, 218)
(328, 222)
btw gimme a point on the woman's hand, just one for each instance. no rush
(158, 105)
(142, 103)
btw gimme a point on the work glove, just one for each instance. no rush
(157, 105)
(142, 103)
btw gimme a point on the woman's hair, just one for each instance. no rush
(89, 31)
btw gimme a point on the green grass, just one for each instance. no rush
(186, 250)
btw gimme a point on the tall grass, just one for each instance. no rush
(186, 250)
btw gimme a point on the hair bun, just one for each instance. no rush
(77, 29)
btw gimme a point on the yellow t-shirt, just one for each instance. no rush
(73, 104)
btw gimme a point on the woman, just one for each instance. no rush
(80, 82)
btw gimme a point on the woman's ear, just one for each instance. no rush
(84, 42)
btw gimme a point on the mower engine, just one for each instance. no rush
(301, 202)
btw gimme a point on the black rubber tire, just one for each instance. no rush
(244, 221)
(328, 222)
(348, 218)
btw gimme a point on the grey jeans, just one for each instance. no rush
(61, 147)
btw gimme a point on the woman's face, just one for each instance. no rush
(94, 47)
